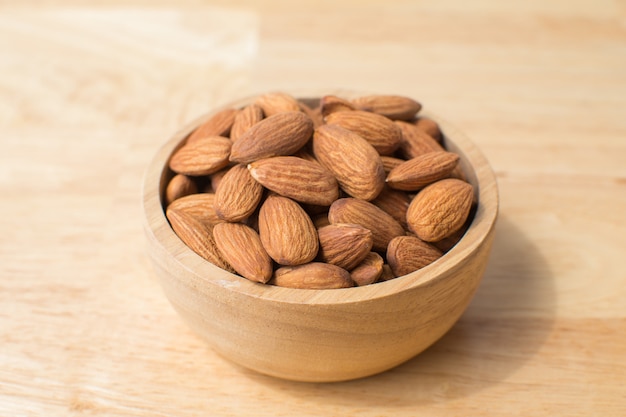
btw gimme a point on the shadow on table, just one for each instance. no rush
(507, 322)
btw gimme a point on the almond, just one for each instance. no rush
(386, 274)
(179, 186)
(395, 203)
(238, 195)
(218, 125)
(331, 104)
(280, 134)
(245, 119)
(241, 246)
(361, 212)
(429, 126)
(369, 270)
(314, 275)
(197, 236)
(199, 206)
(422, 170)
(274, 103)
(203, 156)
(406, 254)
(296, 178)
(440, 209)
(344, 245)
(353, 161)
(286, 231)
(391, 106)
(390, 162)
(415, 141)
(379, 131)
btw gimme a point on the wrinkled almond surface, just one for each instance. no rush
(202, 157)
(380, 132)
(314, 275)
(422, 170)
(344, 245)
(406, 254)
(393, 107)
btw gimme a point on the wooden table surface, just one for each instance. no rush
(89, 91)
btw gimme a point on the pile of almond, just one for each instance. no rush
(349, 192)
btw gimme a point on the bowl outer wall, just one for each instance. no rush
(321, 335)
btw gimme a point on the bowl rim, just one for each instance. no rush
(157, 228)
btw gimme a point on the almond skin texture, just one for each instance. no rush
(203, 156)
(197, 236)
(314, 275)
(287, 232)
(331, 104)
(422, 170)
(356, 211)
(393, 107)
(179, 186)
(406, 254)
(440, 209)
(430, 127)
(274, 103)
(280, 134)
(199, 206)
(344, 245)
(368, 271)
(353, 161)
(379, 131)
(395, 203)
(238, 195)
(390, 162)
(241, 246)
(416, 142)
(245, 119)
(296, 178)
(218, 125)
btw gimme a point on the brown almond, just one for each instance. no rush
(369, 270)
(387, 274)
(314, 275)
(440, 209)
(395, 203)
(218, 125)
(286, 231)
(344, 245)
(203, 156)
(415, 141)
(198, 236)
(353, 161)
(179, 186)
(391, 106)
(238, 195)
(274, 103)
(429, 126)
(199, 206)
(390, 162)
(241, 246)
(383, 134)
(296, 178)
(422, 170)
(406, 254)
(245, 119)
(361, 212)
(280, 134)
(331, 104)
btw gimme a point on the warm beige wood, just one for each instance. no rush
(89, 91)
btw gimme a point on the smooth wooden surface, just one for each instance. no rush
(89, 91)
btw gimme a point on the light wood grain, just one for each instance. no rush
(89, 91)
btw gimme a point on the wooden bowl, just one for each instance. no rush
(321, 335)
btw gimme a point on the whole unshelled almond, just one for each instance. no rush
(406, 254)
(361, 212)
(383, 134)
(280, 134)
(369, 270)
(198, 236)
(422, 170)
(238, 194)
(353, 161)
(245, 119)
(241, 246)
(314, 275)
(218, 125)
(179, 186)
(440, 209)
(199, 206)
(286, 231)
(296, 178)
(344, 245)
(393, 107)
(331, 104)
(274, 103)
(203, 156)
(416, 142)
